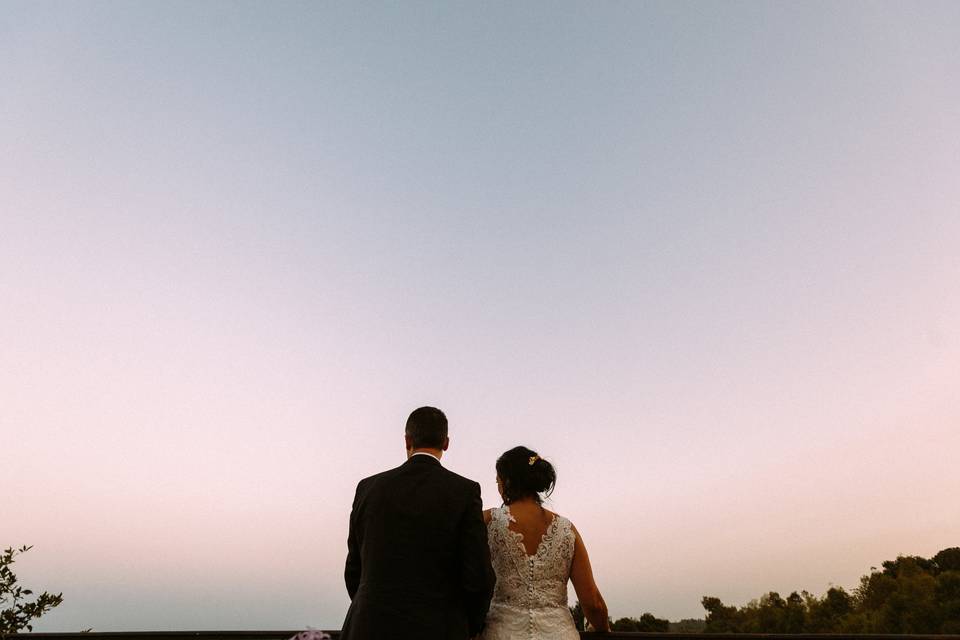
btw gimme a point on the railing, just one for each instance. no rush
(284, 635)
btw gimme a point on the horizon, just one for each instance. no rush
(701, 257)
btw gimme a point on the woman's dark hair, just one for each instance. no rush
(525, 474)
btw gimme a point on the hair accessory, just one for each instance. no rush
(533, 459)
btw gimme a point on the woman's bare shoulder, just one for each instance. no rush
(487, 516)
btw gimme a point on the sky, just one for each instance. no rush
(703, 257)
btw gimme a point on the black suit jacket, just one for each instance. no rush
(418, 564)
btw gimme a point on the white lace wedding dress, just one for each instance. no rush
(530, 597)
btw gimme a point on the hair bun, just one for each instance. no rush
(525, 475)
(543, 475)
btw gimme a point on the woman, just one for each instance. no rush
(534, 552)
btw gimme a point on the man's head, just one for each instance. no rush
(426, 429)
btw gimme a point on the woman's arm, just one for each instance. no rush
(581, 574)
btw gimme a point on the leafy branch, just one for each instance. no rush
(19, 613)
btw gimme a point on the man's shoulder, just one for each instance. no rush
(396, 474)
(458, 484)
(379, 476)
(367, 483)
(460, 480)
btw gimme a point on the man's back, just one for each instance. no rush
(418, 562)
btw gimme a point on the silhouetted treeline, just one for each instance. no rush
(688, 625)
(909, 595)
(646, 622)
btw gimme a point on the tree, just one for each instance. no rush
(947, 560)
(795, 614)
(909, 595)
(720, 618)
(825, 615)
(771, 613)
(577, 612)
(625, 624)
(948, 595)
(688, 625)
(900, 599)
(647, 622)
(893, 567)
(18, 614)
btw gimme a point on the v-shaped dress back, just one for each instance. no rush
(530, 597)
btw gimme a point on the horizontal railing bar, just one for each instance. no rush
(284, 635)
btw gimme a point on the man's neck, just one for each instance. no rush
(436, 453)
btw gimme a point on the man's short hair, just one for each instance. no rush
(427, 428)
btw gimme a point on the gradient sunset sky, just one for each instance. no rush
(704, 257)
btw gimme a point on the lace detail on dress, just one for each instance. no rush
(530, 596)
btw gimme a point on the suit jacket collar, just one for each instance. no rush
(424, 459)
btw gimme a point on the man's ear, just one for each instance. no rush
(408, 441)
(446, 443)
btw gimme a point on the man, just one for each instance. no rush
(418, 565)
